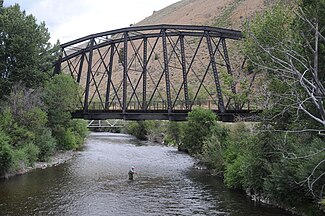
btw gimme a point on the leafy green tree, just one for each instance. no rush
(197, 129)
(289, 47)
(23, 115)
(174, 132)
(32, 152)
(26, 54)
(214, 147)
(137, 129)
(61, 98)
(6, 153)
(45, 143)
(61, 95)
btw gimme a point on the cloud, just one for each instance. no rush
(68, 20)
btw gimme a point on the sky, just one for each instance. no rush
(67, 20)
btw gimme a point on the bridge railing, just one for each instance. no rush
(153, 105)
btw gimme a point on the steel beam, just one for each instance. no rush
(109, 76)
(144, 74)
(166, 71)
(226, 33)
(215, 73)
(226, 56)
(125, 71)
(184, 72)
(88, 75)
(80, 67)
(137, 67)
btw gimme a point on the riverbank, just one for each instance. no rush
(95, 182)
(58, 158)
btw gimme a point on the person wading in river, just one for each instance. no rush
(131, 173)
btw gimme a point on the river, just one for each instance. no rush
(95, 182)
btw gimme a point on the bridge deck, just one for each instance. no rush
(176, 115)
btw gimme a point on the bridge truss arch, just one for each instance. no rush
(150, 72)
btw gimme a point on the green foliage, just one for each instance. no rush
(69, 140)
(79, 127)
(46, 144)
(287, 182)
(267, 30)
(155, 130)
(65, 138)
(240, 97)
(238, 158)
(31, 152)
(197, 129)
(26, 54)
(314, 11)
(6, 153)
(174, 132)
(72, 137)
(61, 97)
(292, 163)
(35, 108)
(20, 159)
(213, 148)
(35, 119)
(137, 129)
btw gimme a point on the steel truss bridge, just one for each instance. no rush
(152, 72)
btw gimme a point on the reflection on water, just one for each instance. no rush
(95, 182)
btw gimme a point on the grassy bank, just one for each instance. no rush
(247, 157)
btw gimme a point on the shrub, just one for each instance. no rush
(6, 153)
(79, 127)
(245, 163)
(20, 159)
(31, 152)
(34, 119)
(66, 139)
(155, 130)
(214, 147)
(61, 97)
(46, 144)
(137, 129)
(174, 133)
(197, 129)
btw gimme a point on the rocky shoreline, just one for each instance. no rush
(58, 158)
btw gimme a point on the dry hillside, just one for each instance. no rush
(218, 13)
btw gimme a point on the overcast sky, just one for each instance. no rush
(71, 19)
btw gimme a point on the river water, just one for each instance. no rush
(95, 182)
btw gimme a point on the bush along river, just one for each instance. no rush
(95, 182)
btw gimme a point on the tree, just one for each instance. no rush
(290, 47)
(61, 98)
(6, 153)
(26, 54)
(291, 59)
(197, 129)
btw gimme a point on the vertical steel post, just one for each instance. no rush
(91, 47)
(144, 74)
(225, 52)
(109, 76)
(125, 71)
(80, 67)
(184, 72)
(215, 72)
(166, 70)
